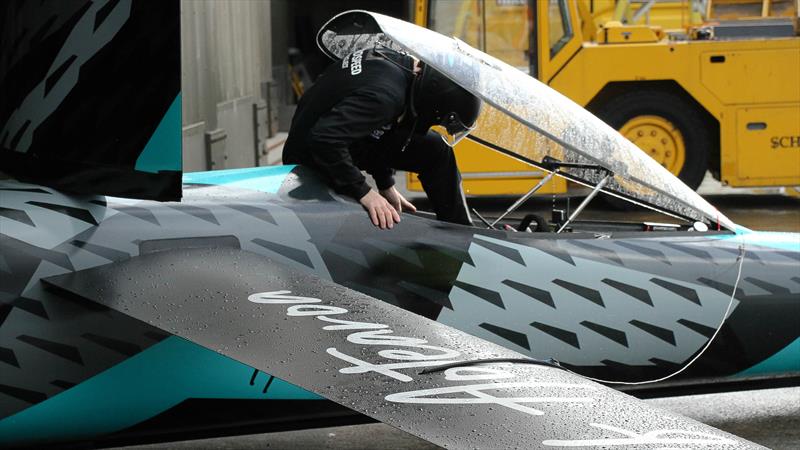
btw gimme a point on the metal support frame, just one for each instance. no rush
(553, 165)
(643, 10)
(524, 198)
(586, 201)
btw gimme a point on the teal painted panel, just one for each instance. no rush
(265, 179)
(164, 150)
(773, 239)
(786, 360)
(139, 388)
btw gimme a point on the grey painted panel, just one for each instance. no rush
(215, 143)
(194, 148)
(236, 118)
(260, 129)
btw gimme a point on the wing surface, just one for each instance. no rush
(371, 356)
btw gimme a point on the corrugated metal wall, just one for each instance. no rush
(235, 69)
(226, 64)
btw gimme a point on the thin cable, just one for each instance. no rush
(556, 364)
(541, 362)
(708, 344)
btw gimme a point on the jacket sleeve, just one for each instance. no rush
(350, 120)
(384, 176)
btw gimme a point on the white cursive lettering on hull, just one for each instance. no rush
(479, 396)
(658, 437)
(416, 353)
(426, 355)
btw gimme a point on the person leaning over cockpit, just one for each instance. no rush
(373, 110)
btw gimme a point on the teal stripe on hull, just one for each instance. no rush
(771, 239)
(265, 179)
(139, 388)
(162, 376)
(786, 360)
(164, 150)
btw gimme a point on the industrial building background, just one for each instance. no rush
(236, 69)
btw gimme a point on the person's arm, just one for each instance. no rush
(350, 120)
(382, 214)
(383, 176)
(396, 199)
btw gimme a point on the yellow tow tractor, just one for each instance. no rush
(700, 85)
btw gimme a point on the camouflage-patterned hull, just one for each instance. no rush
(627, 306)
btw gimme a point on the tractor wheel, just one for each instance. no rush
(666, 127)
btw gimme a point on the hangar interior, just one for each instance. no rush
(243, 64)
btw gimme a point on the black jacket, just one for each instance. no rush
(352, 108)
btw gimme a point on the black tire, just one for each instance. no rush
(670, 106)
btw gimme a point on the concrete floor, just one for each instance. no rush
(768, 417)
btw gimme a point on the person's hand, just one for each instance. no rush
(381, 212)
(396, 199)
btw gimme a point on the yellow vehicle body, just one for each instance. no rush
(693, 102)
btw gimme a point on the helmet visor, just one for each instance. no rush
(453, 130)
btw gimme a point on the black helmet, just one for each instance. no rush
(437, 100)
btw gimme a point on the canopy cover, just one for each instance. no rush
(555, 126)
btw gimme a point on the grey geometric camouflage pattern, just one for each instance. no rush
(588, 311)
(46, 233)
(587, 302)
(47, 343)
